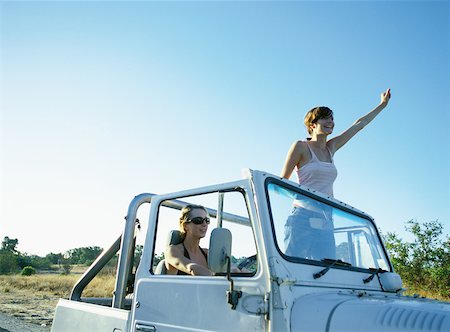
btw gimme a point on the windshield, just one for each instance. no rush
(309, 230)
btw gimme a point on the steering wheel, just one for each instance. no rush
(246, 263)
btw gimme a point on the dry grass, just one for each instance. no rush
(49, 284)
(34, 298)
(101, 286)
(57, 285)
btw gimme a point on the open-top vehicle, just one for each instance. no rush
(353, 289)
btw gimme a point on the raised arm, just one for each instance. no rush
(174, 257)
(339, 141)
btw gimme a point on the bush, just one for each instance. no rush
(28, 271)
(66, 268)
(424, 264)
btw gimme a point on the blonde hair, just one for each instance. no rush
(186, 214)
(315, 114)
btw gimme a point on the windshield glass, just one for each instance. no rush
(308, 229)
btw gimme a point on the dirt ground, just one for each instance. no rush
(34, 312)
(12, 324)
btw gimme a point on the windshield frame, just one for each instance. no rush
(332, 202)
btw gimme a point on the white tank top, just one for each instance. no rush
(318, 175)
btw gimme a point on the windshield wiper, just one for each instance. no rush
(331, 263)
(374, 272)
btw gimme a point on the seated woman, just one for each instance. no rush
(187, 258)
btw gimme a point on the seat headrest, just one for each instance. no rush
(174, 237)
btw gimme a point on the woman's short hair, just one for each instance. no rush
(315, 114)
(186, 214)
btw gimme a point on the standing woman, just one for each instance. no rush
(312, 160)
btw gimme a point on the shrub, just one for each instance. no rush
(66, 268)
(423, 264)
(28, 271)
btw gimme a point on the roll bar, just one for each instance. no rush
(126, 249)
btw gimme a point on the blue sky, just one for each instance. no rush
(101, 101)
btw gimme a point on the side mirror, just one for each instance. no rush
(219, 250)
(391, 282)
(219, 261)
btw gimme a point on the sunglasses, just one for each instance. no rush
(199, 220)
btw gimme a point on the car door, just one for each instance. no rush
(177, 302)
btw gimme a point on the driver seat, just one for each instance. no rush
(174, 237)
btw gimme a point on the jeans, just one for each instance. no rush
(309, 234)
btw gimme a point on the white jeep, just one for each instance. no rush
(354, 288)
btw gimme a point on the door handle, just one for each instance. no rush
(144, 328)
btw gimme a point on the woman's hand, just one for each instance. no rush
(385, 96)
(198, 270)
(339, 141)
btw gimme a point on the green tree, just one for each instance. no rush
(8, 256)
(23, 260)
(84, 255)
(40, 263)
(423, 264)
(8, 262)
(54, 258)
(9, 244)
(64, 264)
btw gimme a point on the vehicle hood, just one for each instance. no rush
(363, 312)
